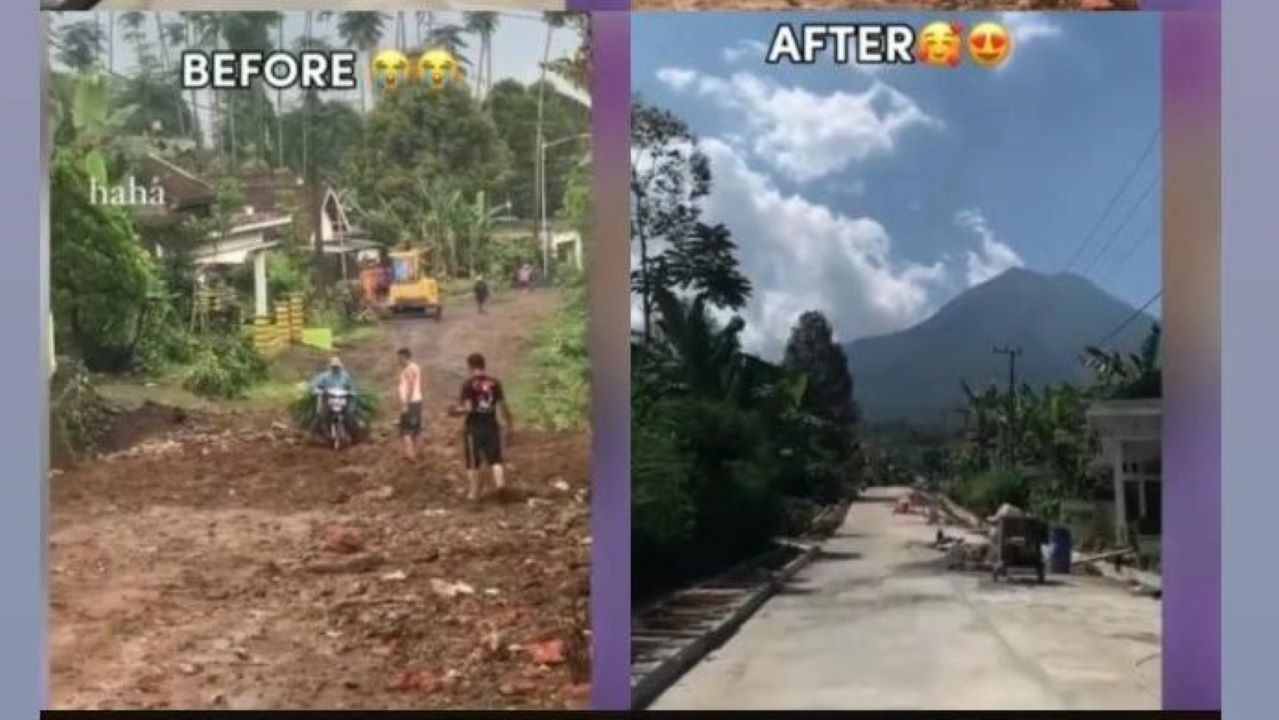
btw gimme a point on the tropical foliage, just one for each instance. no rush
(723, 441)
(1035, 447)
(439, 170)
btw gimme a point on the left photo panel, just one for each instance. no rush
(319, 432)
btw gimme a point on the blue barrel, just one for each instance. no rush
(1059, 560)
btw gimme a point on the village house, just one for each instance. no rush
(278, 206)
(1130, 432)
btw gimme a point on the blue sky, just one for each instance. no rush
(878, 194)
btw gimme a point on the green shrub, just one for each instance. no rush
(730, 478)
(78, 412)
(985, 492)
(164, 338)
(225, 368)
(662, 511)
(555, 389)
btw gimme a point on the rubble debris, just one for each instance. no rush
(344, 540)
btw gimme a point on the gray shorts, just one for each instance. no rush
(411, 421)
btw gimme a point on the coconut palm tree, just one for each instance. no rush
(135, 34)
(80, 45)
(363, 30)
(401, 36)
(483, 24)
(448, 38)
(201, 33)
(552, 20)
(576, 68)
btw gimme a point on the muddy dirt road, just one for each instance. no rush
(222, 562)
(878, 622)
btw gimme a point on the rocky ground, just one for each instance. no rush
(219, 560)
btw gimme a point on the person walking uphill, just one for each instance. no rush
(481, 293)
(410, 394)
(480, 401)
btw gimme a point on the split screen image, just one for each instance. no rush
(320, 428)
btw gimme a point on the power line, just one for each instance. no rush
(1132, 247)
(1132, 209)
(1114, 199)
(1136, 314)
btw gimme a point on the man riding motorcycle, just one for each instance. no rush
(334, 378)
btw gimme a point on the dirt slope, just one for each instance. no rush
(222, 562)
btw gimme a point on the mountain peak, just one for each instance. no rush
(916, 374)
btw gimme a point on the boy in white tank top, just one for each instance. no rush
(410, 394)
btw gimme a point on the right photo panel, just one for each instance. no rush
(896, 361)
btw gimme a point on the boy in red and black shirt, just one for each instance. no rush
(481, 400)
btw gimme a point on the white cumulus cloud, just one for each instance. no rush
(992, 257)
(745, 50)
(677, 78)
(801, 255)
(1027, 29)
(805, 135)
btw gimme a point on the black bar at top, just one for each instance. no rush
(59, 5)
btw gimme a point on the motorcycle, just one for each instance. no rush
(337, 403)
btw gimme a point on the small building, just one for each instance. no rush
(319, 215)
(566, 247)
(1130, 432)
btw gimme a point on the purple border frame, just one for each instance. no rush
(1192, 450)
(611, 364)
(1192, 670)
(1192, 379)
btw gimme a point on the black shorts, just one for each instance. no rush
(483, 446)
(411, 420)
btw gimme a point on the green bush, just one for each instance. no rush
(555, 392)
(99, 274)
(78, 412)
(702, 491)
(662, 510)
(225, 368)
(730, 474)
(164, 338)
(985, 492)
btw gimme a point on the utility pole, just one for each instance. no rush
(1012, 353)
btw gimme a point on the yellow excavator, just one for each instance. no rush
(412, 289)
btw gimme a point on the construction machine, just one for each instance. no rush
(413, 289)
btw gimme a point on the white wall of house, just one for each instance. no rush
(326, 223)
(234, 250)
(1130, 434)
(567, 248)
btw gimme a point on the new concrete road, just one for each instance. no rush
(878, 622)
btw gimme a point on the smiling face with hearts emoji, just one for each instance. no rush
(939, 44)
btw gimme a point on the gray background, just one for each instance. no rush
(22, 380)
(1250, 339)
(1249, 344)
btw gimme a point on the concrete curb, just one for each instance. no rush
(1147, 581)
(653, 684)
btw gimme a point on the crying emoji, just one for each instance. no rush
(437, 67)
(390, 70)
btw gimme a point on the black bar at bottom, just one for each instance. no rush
(743, 714)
